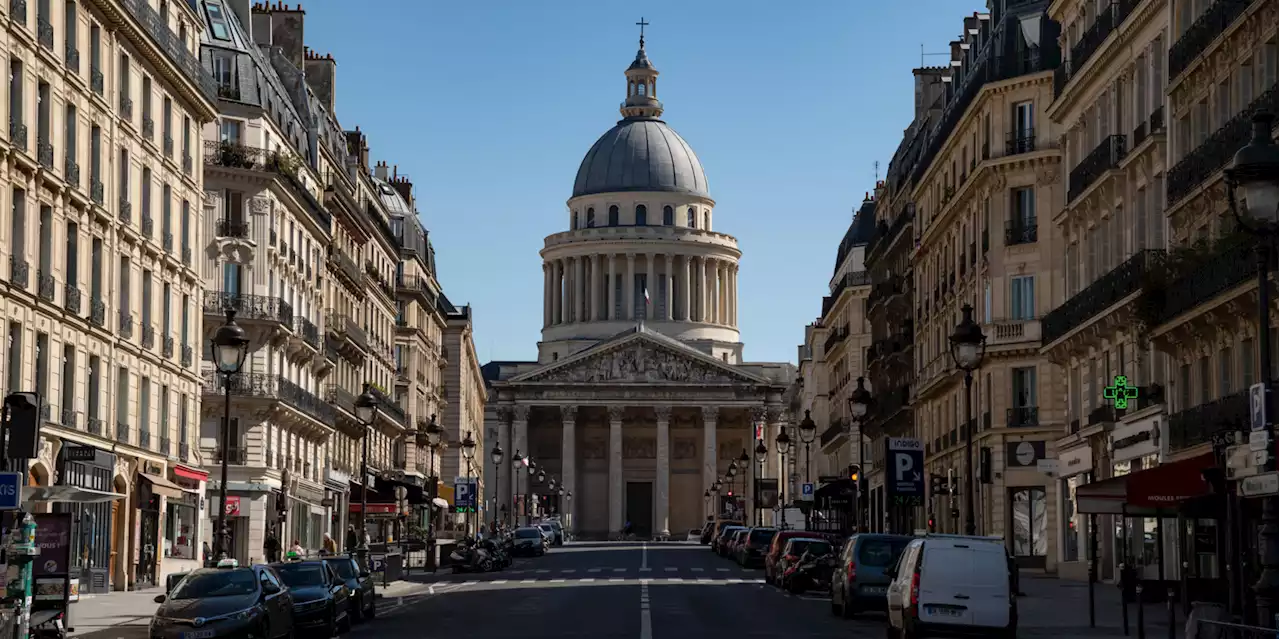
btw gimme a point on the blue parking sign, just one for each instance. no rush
(10, 491)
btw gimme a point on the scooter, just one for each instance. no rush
(500, 559)
(812, 572)
(471, 558)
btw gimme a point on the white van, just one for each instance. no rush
(944, 585)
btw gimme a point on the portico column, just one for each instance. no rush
(580, 288)
(686, 263)
(615, 469)
(568, 458)
(709, 461)
(724, 293)
(557, 307)
(668, 284)
(595, 287)
(699, 314)
(758, 416)
(611, 290)
(710, 289)
(504, 469)
(629, 287)
(519, 433)
(663, 515)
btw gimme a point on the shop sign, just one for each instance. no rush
(1075, 461)
(1259, 485)
(1023, 454)
(79, 453)
(233, 506)
(1140, 439)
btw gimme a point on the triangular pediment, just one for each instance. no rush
(641, 357)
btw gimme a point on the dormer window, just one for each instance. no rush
(217, 21)
(692, 219)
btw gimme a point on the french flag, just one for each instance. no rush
(646, 296)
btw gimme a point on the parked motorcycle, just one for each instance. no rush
(501, 558)
(811, 572)
(471, 557)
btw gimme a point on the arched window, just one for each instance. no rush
(668, 216)
(591, 217)
(706, 220)
(613, 215)
(641, 88)
(692, 222)
(573, 223)
(642, 215)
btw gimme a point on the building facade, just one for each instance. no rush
(101, 213)
(639, 399)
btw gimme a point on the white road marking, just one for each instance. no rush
(528, 581)
(587, 579)
(644, 556)
(670, 569)
(705, 580)
(674, 579)
(541, 572)
(719, 569)
(619, 569)
(594, 569)
(568, 572)
(696, 569)
(557, 581)
(467, 583)
(617, 580)
(646, 621)
(645, 569)
(498, 582)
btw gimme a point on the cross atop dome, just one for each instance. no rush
(642, 84)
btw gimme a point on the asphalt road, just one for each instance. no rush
(614, 591)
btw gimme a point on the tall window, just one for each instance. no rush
(122, 405)
(1022, 297)
(125, 277)
(70, 140)
(95, 162)
(591, 217)
(1030, 522)
(691, 220)
(146, 196)
(42, 366)
(95, 387)
(124, 182)
(68, 386)
(1022, 222)
(1247, 363)
(166, 309)
(46, 241)
(613, 215)
(14, 381)
(184, 228)
(148, 122)
(668, 216)
(166, 216)
(146, 298)
(95, 271)
(72, 257)
(18, 232)
(144, 412)
(44, 104)
(183, 427)
(164, 419)
(126, 102)
(16, 85)
(186, 303)
(642, 215)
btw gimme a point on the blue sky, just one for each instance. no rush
(490, 106)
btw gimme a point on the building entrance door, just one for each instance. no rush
(640, 508)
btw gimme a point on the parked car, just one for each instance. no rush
(859, 582)
(227, 601)
(694, 535)
(556, 528)
(708, 529)
(735, 540)
(952, 584)
(548, 531)
(359, 582)
(751, 551)
(717, 529)
(796, 550)
(721, 543)
(321, 600)
(528, 541)
(775, 551)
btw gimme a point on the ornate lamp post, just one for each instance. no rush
(732, 474)
(715, 497)
(1252, 196)
(230, 347)
(783, 441)
(517, 464)
(469, 454)
(366, 404)
(859, 402)
(744, 462)
(495, 456)
(968, 346)
(808, 431)
(762, 452)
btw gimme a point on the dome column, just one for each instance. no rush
(685, 298)
(668, 284)
(700, 309)
(596, 265)
(546, 294)
(629, 287)
(733, 295)
(556, 293)
(722, 289)
(580, 288)
(612, 288)
(650, 284)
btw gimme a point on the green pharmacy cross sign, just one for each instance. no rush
(1120, 392)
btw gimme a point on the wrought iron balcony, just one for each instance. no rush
(1108, 20)
(123, 432)
(18, 11)
(96, 426)
(1102, 294)
(166, 241)
(249, 307)
(45, 33)
(97, 312)
(1214, 153)
(148, 225)
(184, 451)
(44, 153)
(389, 406)
(1103, 158)
(71, 171)
(72, 58)
(340, 397)
(126, 210)
(148, 335)
(187, 164)
(308, 330)
(1022, 416)
(148, 128)
(71, 299)
(45, 285)
(1020, 232)
(231, 228)
(1105, 414)
(188, 356)
(166, 346)
(239, 156)
(144, 439)
(175, 49)
(166, 445)
(186, 255)
(1198, 424)
(69, 417)
(168, 145)
(272, 387)
(19, 272)
(17, 133)
(126, 105)
(98, 192)
(346, 268)
(1231, 264)
(1211, 24)
(838, 335)
(96, 80)
(235, 456)
(1155, 123)
(1021, 141)
(228, 91)
(126, 324)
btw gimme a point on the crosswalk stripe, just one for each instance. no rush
(616, 580)
(587, 579)
(466, 583)
(619, 569)
(594, 569)
(557, 581)
(674, 579)
(568, 572)
(528, 581)
(498, 582)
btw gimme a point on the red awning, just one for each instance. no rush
(375, 509)
(190, 473)
(1146, 492)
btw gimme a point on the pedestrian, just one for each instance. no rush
(352, 541)
(330, 547)
(296, 548)
(271, 546)
(367, 539)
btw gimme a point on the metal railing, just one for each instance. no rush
(1203, 32)
(172, 45)
(252, 307)
(1022, 416)
(231, 228)
(1104, 157)
(269, 386)
(1214, 153)
(1104, 292)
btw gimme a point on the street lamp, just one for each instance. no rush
(1252, 196)
(469, 453)
(808, 431)
(366, 404)
(744, 462)
(783, 440)
(859, 402)
(968, 346)
(762, 452)
(230, 346)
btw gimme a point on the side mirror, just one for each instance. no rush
(160, 599)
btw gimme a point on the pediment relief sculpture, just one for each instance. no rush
(639, 448)
(641, 363)
(730, 450)
(685, 448)
(594, 448)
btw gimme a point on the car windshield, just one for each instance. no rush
(343, 567)
(216, 583)
(546, 527)
(761, 537)
(301, 575)
(727, 532)
(528, 533)
(880, 553)
(799, 546)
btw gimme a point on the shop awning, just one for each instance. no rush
(415, 495)
(1150, 492)
(838, 488)
(162, 486)
(194, 474)
(445, 492)
(67, 494)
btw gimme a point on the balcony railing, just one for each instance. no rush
(17, 133)
(1107, 21)
(18, 11)
(1018, 142)
(148, 224)
(239, 156)
(340, 397)
(236, 456)
(44, 153)
(231, 228)
(126, 324)
(148, 336)
(45, 286)
(1231, 264)
(44, 32)
(347, 267)
(269, 386)
(166, 346)
(1022, 416)
(351, 329)
(97, 312)
(96, 80)
(1198, 424)
(19, 272)
(71, 299)
(390, 407)
(188, 355)
(1211, 24)
(1102, 294)
(249, 307)
(1214, 153)
(1022, 231)
(174, 47)
(123, 432)
(96, 426)
(126, 210)
(98, 192)
(148, 127)
(144, 439)
(184, 451)
(71, 171)
(1103, 158)
(838, 335)
(1012, 331)
(308, 330)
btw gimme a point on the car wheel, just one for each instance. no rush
(332, 627)
(345, 624)
(847, 609)
(357, 608)
(372, 611)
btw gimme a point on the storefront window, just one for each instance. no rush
(1030, 523)
(1075, 533)
(180, 540)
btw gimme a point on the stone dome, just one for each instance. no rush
(641, 154)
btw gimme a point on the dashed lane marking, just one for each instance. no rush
(587, 579)
(696, 569)
(569, 571)
(557, 581)
(528, 581)
(619, 569)
(594, 569)
(670, 569)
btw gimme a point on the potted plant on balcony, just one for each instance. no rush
(234, 155)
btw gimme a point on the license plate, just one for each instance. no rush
(943, 612)
(198, 634)
(874, 590)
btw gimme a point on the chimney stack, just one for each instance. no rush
(320, 72)
(358, 147)
(286, 32)
(260, 24)
(380, 171)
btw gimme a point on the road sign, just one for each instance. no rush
(10, 491)
(1258, 406)
(464, 497)
(904, 460)
(806, 491)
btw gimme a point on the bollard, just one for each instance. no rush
(1142, 617)
(1173, 633)
(1124, 601)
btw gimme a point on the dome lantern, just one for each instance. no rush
(642, 85)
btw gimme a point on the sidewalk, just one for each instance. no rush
(1055, 606)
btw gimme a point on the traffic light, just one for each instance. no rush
(936, 486)
(855, 472)
(932, 524)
